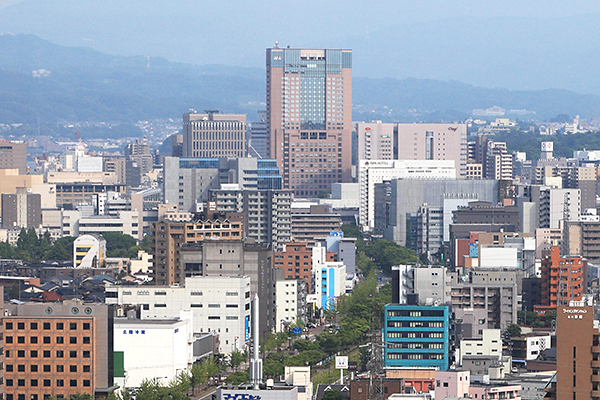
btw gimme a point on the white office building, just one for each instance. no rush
(154, 349)
(219, 304)
(372, 172)
(286, 303)
(329, 278)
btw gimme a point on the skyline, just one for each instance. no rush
(507, 45)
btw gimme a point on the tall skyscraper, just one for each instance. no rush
(309, 117)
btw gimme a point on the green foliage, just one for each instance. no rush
(325, 377)
(236, 359)
(119, 244)
(513, 330)
(387, 254)
(533, 319)
(238, 377)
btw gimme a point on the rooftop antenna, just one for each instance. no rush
(277, 44)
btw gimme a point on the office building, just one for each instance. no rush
(329, 278)
(407, 195)
(393, 141)
(13, 155)
(372, 172)
(148, 349)
(219, 304)
(214, 135)
(309, 117)
(198, 176)
(22, 209)
(10, 180)
(498, 162)
(290, 303)
(115, 165)
(58, 350)
(257, 146)
(416, 336)
(489, 344)
(313, 222)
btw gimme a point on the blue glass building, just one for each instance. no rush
(416, 336)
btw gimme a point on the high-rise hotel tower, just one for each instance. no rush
(309, 117)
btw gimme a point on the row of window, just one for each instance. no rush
(46, 326)
(47, 383)
(415, 324)
(430, 335)
(413, 356)
(48, 353)
(46, 368)
(48, 339)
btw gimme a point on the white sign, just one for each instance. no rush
(341, 362)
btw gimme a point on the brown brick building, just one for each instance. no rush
(296, 262)
(57, 350)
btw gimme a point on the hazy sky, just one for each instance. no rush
(481, 42)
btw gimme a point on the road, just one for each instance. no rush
(206, 395)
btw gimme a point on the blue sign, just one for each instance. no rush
(473, 250)
(247, 327)
(297, 331)
(336, 234)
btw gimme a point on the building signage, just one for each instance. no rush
(240, 396)
(247, 328)
(341, 362)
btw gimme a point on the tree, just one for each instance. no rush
(238, 377)
(513, 330)
(118, 243)
(236, 359)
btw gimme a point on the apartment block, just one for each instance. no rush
(564, 278)
(13, 155)
(22, 209)
(267, 218)
(313, 222)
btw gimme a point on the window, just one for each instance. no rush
(46, 353)
(87, 368)
(73, 382)
(86, 326)
(47, 368)
(60, 340)
(73, 326)
(73, 354)
(21, 353)
(73, 368)
(60, 353)
(86, 340)
(86, 353)
(73, 340)
(86, 382)
(9, 382)
(60, 382)
(20, 382)
(33, 353)
(9, 339)
(60, 368)
(20, 339)
(33, 339)
(9, 368)
(20, 325)
(46, 383)
(60, 326)
(34, 382)
(46, 339)
(33, 368)
(21, 368)
(47, 326)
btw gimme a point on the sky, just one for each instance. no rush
(495, 44)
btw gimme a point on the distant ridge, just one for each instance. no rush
(87, 85)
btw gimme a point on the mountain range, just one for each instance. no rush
(82, 84)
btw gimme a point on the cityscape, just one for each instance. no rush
(302, 241)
